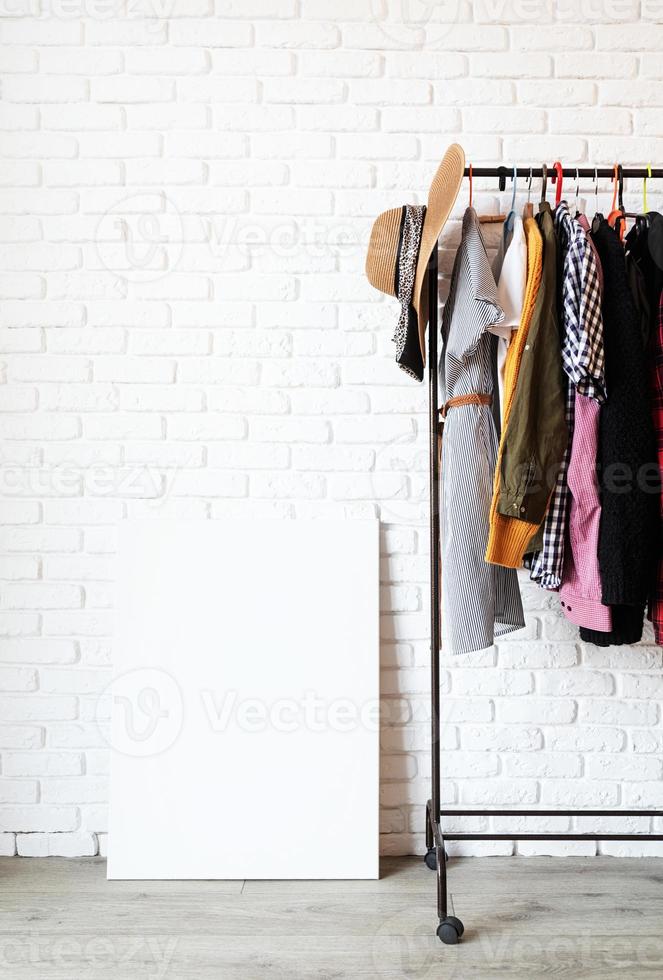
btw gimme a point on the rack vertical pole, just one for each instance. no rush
(433, 415)
(436, 852)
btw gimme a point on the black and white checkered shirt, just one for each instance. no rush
(583, 362)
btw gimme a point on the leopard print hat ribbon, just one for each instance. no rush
(406, 336)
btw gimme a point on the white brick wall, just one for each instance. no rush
(245, 365)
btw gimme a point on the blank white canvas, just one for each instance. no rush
(244, 729)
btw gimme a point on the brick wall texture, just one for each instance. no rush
(187, 192)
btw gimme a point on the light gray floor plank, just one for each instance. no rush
(525, 918)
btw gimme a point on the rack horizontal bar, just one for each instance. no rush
(518, 836)
(592, 172)
(551, 813)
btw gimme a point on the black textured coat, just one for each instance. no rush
(628, 471)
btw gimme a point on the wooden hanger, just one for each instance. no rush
(484, 219)
(528, 210)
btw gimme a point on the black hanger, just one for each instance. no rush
(620, 188)
(621, 215)
(598, 217)
(577, 197)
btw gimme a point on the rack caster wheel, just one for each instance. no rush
(450, 930)
(430, 859)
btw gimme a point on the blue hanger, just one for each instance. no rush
(510, 218)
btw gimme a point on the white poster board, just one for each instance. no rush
(244, 730)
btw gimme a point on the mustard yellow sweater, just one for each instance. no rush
(508, 536)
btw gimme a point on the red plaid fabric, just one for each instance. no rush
(656, 599)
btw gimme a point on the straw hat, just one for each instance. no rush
(383, 249)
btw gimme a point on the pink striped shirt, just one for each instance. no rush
(580, 593)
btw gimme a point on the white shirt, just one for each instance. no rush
(510, 269)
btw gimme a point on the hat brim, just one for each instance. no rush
(442, 195)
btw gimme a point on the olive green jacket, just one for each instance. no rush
(537, 434)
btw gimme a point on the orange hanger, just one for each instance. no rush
(559, 170)
(617, 216)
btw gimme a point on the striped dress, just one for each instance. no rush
(480, 602)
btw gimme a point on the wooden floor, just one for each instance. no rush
(524, 918)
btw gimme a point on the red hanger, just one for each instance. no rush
(559, 170)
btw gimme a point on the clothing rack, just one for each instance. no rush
(450, 928)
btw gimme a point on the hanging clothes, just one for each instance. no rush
(628, 532)
(637, 262)
(582, 359)
(586, 227)
(510, 272)
(508, 537)
(581, 593)
(656, 380)
(644, 271)
(480, 602)
(533, 443)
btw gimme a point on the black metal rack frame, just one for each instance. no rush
(450, 928)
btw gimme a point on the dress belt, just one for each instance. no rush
(476, 398)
